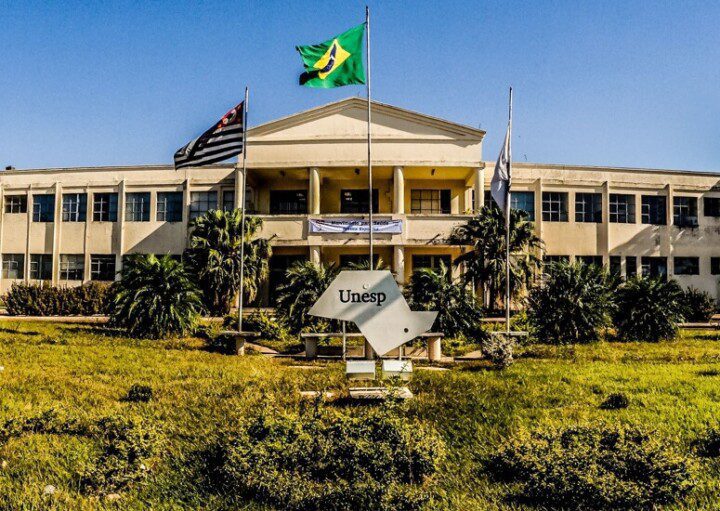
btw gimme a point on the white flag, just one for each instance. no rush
(500, 184)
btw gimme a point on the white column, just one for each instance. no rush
(121, 229)
(314, 191)
(239, 188)
(399, 263)
(315, 254)
(57, 232)
(86, 235)
(27, 233)
(399, 189)
(479, 188)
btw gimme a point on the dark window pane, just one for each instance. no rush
(74, 207)
(72, 267)
(654, 266)
(169, 207)
(288, 202)
(615, 265)
(715, 265)
(357, 201)
(590, 260)
(44, 208)
(13, 266)
(686, 265)
(137, 207)
(622, 208)
(554, 206)
(105, 207)
(16, 204)
(631, 266)
(41, 266)
(201, 203)
(711, 205)
(228, 200)
(685, 211)
(524, 201)
(102, 267)
(433, 261)
(588, 207)
(654, 210)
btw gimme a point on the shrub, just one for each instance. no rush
(698, 306)
(587, 468)
(304, 283)
(155, 298)
(43, 300)
(499, 350)
(329, 461)
(458, 312)
(615, 401)
(259, 322)
(707, 445)
(571, 305)
(138, 394)
(648, 309)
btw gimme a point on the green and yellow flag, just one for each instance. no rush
(336, 62)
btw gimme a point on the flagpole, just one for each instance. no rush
(242, 213)
(369, 140)
(507, 219)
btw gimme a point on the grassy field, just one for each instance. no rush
(84, 372)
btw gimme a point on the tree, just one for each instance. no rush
(155, 297)
(648, 309)
(304, 283)
(485, 262)
(434, 289)
(571, 304)
(213, 257)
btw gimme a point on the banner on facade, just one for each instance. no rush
(353, 226)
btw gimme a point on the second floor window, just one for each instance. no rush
(685, 211)
(201, 203)
(16, 204)
(524, 201)
(554, 206)
(430, 201)
(105, 207)
(288, 202)
(137, 207)
(44, 208)
(41, 266)
(169, 206)
(13, 266)
(72, 267)
(588, 207)
(74, 207)
(654, 210)
(358, 201)
(622, 208)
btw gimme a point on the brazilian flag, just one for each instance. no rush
(335, 62)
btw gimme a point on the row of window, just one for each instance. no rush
(621, 207)
(72, 267)
(653, 266)
(105, 206)
(294, 202)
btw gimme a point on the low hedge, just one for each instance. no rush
(33, 300)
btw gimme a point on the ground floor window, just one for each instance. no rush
(279, 265)
(13, 266)
(72, 267)
(615, 265)
(715, 265)
(348, 261)
(423, 261)
(654, 266)
(686, 265)
(41, 266)
(550, 259)
(630, 266)
(102, 267)
(590, 260)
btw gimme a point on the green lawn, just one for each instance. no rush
(83, 372)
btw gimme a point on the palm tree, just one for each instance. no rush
(214, 258)
(485, 262)
(434, 289)
(649, 309)
(304, 283)
(155, 297)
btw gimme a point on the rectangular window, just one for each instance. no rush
(16, 204)
(72, 267)
(13, 266)
(44, 208)
(137, 207)
(654, 266)
(357, 201)
(524, 201)
(711, 206)
(715, 265)
(549, 259)
(102, 267)
(630, 266)
(686, 265)
(169, 207)
(588, 207)
(685, 211)
(201, 203)
(430, 201)
(74, 207)
(105, 207)
(654, 210)
(590, 260)
(615, 265)
(555, 206)
(622, 208)
(288, 202)
(228, 200)
(41, 266)
(420, 261)
(349, 260)
(488, 198)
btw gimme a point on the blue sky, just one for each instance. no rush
(599, 83)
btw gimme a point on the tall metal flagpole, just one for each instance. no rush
(369, 143)
(507, 219)
(242, 212)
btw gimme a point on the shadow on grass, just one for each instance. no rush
(709, 372)
(17, 331)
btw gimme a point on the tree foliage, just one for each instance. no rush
(155, 297)
(648, 309)
(305, 281)
(213, 258)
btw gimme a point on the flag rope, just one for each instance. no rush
(242, 214)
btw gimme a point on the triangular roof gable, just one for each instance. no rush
(347, 119)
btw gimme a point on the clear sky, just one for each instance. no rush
(599, 83)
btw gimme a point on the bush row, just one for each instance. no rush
(33, 300)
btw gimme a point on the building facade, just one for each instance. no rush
(69, 226)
